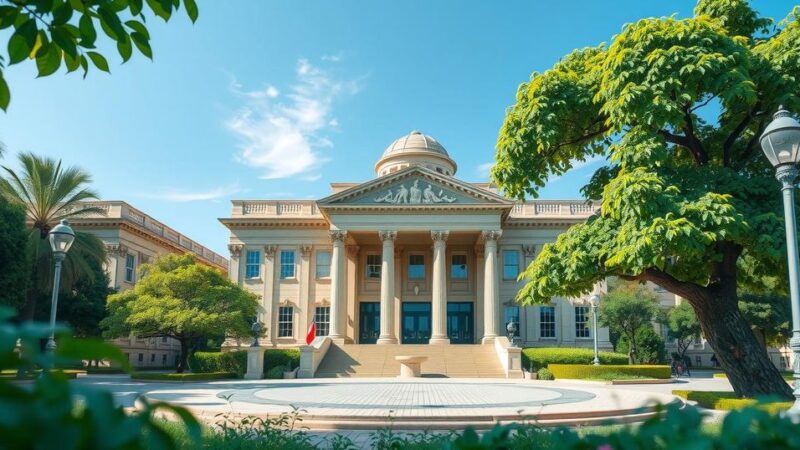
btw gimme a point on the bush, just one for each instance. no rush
(182, 376)
(544, 374)
(275, 373)
(728, 401)
(205, 362)
(282, 357)
(650, 347)
(541, 357)
(581, 371)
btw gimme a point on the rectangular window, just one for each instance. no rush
(373, 266)
(285, 321)
(152, 357)
(253, 264)
(322, 315)
(164, 339)
(510, 264)
(511, 314)
(141, 357)
(458, 267)
(547, 321)
(164, 359)
(582, 329)
(416, 267)
(130, 268)
(287, 264)
(323, 264)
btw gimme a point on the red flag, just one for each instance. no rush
(312, 332)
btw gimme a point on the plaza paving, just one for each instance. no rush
(415, 404)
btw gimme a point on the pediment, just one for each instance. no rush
(414, 187)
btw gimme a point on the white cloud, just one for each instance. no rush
(484, 169)
(333, 58)
(282, 134)
(181, 195)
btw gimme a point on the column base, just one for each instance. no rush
(488, 339)
(384, 340)
(340, 340)
(439, 341)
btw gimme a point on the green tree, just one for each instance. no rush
(624, 311)
(50, 32)
(688, 202)
(683, 326)
(182, 299)
(650, 347)
(50, 193)
(769, 316)
(14, 265)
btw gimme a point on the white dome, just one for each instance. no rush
(417, 149)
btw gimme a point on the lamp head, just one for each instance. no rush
(594, 300)
(781, 139)
(61, 238)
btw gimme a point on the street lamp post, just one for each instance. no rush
(594, 300)
(781, 145)
(61, 238)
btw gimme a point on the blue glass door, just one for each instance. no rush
(460, 323)
(369, 322)
(416, 320)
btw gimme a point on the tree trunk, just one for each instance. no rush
(183, 361)
(741, 356)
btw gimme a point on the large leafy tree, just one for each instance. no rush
(688, 202)
(683, 326)
(14, 265)
(49, 193)
(625, 311)
(769, 316)
(182, 299)
(68, 32)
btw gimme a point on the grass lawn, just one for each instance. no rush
(612, 376)
(788, 376)
(727, 401)
(12, 374)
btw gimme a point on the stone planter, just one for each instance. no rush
(290, 375)
(531, 375)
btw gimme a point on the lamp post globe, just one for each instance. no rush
(781, 144)
(61, 238)
(594, 300)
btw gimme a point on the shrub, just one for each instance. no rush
(545, 374)
(275, 373)
(728, 401)
(282, 357)
(581, 371)
(649, 346)
(182, 376)
(205, 362)
(541, 357)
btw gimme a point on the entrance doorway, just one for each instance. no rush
(460, 323)
(416, 320)
(369, 320)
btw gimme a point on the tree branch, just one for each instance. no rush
(737, 131)
(701, 157)
(672, 284)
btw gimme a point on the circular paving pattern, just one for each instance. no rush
(400, 395)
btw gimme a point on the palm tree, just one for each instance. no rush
(50, 193)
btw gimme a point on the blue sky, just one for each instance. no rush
(276, 99)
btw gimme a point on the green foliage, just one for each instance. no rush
(281, 357)
(583, 371)
(182, 299)
(204, 362)
(182, 377)
(49, 193)
(53, 413)
(728, 401)
(683, 326)
(15, 275)
(69, 31)
(275, 373)
(545, 374)
(650, 347)
(769, 316)
(542, 356)
(627, 310)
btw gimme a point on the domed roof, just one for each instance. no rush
(415, 142)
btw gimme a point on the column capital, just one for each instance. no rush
(122, 249)
(305, 249)
(439, 235)
(491, 235)
(269, 250)
(338, 235)
(387, 235)
(529, 250)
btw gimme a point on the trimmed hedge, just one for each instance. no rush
(788, 376)
(543, 356)
(206, 362)
(281, 357)
(582, 371)
(182, 376)
(728, 401)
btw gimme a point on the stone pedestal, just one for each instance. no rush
(410, 366)
(255, 363)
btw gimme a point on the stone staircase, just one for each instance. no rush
(444, 361)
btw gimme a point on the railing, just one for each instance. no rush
(272, 208)
(555, 209)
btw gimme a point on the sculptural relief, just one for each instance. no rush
(414, 195)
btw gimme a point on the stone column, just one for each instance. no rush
(439, 288)
(387, 288)
(491, 286)
(269, 299)
(233, 265)
(304, 277)
(338, 306)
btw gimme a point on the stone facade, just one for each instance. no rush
(414, 255)
(133, 238)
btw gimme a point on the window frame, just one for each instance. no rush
(130, 268)
(551, 313)
(584, 325)
(322, 317)
(249, 264)
(317, 265)
(506, 308)
(507, 265)
(286, 321)
(416, 278)
(465, 265)
(379, 266)
(287, 264)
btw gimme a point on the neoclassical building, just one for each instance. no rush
(412, 256)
